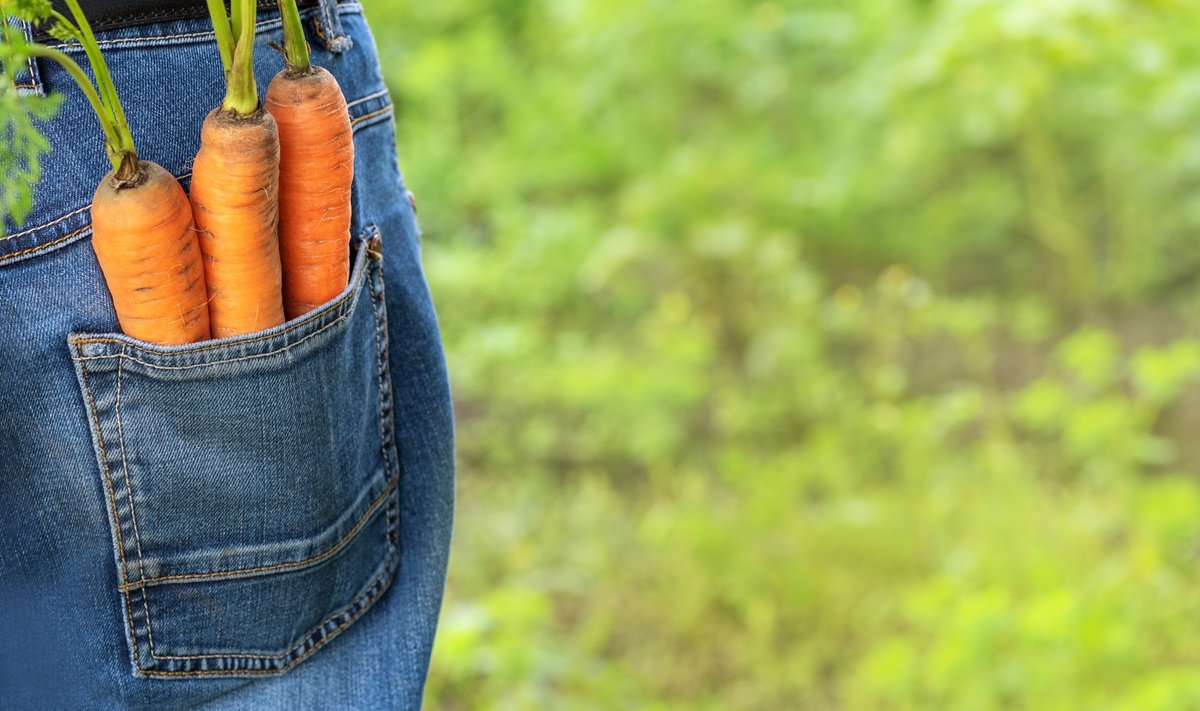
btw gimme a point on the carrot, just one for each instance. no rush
(316, 169)
(235, 188)
(142, 230)
(144, 239)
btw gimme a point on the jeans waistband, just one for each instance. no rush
(106, 15)
(115, 14)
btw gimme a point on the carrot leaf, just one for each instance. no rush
(102, 95)
(221, 27)
(22, 145)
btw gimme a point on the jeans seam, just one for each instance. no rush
(379, 310)
(137, 536)
(359, 119)
(368, 97)
(6, 257)
(328, 27)
(35, 82)
(115, 512)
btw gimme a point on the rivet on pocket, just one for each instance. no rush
(375, 247)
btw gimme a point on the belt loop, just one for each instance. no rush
(27, 78)
(328, 27)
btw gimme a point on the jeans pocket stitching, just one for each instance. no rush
(287, 566)
(209, 363)
(316, 638)
(390, 493)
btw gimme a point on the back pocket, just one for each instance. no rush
(250, 483)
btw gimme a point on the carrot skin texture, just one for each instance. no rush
(316, 171)
(147, 247)
(234, 196)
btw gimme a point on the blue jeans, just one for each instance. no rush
(258, 522)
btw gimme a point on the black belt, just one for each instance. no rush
(113, 14)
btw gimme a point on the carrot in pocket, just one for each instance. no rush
(142, 230)
(316, 169)
(235, 188)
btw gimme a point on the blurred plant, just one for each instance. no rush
(21, 143)
(812, 355)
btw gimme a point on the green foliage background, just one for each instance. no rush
(822, 354)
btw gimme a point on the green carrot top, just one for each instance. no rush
(235, 42)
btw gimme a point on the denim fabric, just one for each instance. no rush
(258, 522)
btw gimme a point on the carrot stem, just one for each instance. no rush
(295, 47)
(220, 22)
(104, 80)
(241, 91)
(112, 140)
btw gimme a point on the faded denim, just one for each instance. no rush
(257, 522)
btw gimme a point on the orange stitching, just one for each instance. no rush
(104, 460)
(7, 257)
(125, 471)
(48, 224)
(385, 426)
(218, 574)
(327, 14)
(374, 113)
(207, 364)
(382, 582)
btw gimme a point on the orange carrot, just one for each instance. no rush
(235, 188)
(316, 169)
(144, 239)
(142, 230)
